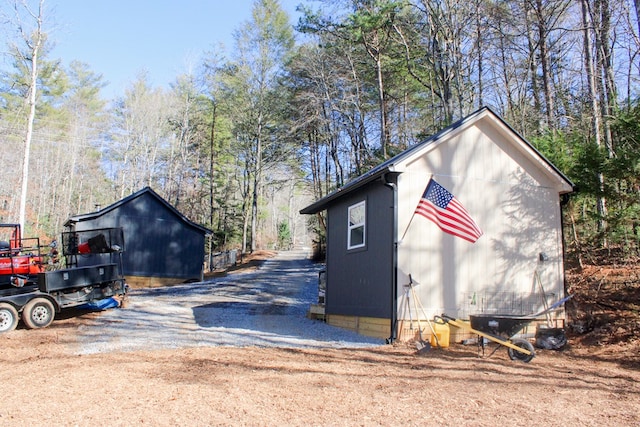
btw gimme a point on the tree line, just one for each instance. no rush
(295, 110)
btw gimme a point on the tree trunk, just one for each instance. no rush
(544, 65)
(596, 110)
(637, 7)
(385, 137)
(35, 43)
(256, 185)
(533, 70)
(479, 51)
(211, 162)
(611, 92)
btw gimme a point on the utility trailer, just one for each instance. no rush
(92, 272)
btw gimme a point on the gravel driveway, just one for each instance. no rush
(264, 308)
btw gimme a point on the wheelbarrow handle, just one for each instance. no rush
(444, 318)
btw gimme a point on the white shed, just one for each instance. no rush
(511, 191)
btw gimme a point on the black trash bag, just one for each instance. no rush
(550, 338)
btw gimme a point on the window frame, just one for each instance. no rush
(352, 227)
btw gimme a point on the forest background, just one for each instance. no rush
(294, 110)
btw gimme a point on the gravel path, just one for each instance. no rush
(264, 308)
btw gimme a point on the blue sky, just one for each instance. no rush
(120, 38)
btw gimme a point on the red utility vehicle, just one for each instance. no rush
(19, 258)
(33, 293)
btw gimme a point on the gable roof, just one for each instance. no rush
(394, 164)
(146, 190)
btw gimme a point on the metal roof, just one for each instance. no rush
(92, 215)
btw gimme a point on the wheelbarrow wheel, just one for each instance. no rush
(517, 355)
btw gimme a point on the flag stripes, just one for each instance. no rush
(441, 207)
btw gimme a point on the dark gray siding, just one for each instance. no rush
(359, 281)
(158, 243)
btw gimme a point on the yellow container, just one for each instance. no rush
(442, 335)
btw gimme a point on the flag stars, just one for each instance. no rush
(437, 195)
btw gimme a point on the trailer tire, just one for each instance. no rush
(516, 355)
(8, 317)
(38, 313)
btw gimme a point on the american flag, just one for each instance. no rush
(441, 207)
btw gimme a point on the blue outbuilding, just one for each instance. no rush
(162, 246)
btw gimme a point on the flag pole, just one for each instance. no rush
(408, 225)
(414, 211)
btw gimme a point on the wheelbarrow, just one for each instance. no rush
(499, 329)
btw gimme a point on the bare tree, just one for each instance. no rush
(436, 41)
(592, 86)
(372, 25)
(262, 45)
(32, 38)
(141, 137)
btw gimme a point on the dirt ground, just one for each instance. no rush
(595, 381)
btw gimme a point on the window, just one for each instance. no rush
(357, 219)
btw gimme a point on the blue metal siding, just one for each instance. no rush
(359, 281)
(158, 243)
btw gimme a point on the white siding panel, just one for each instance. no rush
(514, 203)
